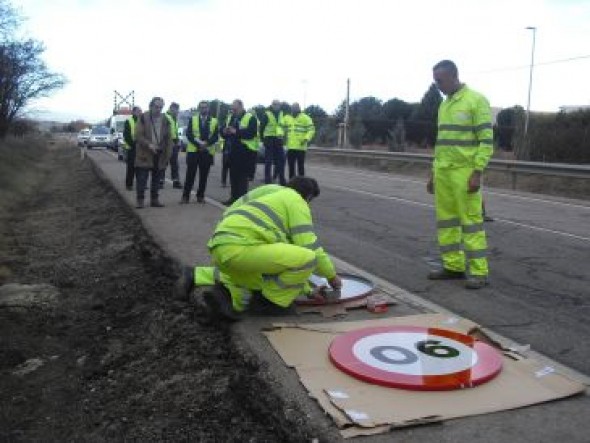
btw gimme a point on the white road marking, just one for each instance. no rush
(501, 220)
(423, 183)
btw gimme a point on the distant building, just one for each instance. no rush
(573, 108)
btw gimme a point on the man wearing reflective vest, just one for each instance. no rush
(129, 138)
(264, 246)
(240, 135)
(272, 133)
(300, 131)
(202, 134)
(172, 116)
(463, 148)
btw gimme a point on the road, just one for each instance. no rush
(384, 224)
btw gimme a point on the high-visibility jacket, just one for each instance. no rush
(278, 216)
(131, 122)
(300, 130)
(465, 137)
(196, 127)
(173, 126)
(274, 126)
(252, 143)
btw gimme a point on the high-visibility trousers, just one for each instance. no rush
(461, 235)
(279, 271)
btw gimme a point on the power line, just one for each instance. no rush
(551, 62)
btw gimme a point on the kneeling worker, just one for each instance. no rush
(264, 244)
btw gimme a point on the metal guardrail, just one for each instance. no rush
(519, 167)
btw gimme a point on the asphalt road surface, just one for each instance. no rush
(539, 252)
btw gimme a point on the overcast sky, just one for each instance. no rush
(304, 50)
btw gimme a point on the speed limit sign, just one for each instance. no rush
(414, 357)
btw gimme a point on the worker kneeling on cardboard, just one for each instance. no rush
(264, 246)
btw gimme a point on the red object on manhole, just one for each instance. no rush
(415, 358)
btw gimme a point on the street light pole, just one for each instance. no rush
(528, 105)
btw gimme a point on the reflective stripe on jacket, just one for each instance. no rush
(465, 136)
(300, 131)
(274, 126)
(173, 126)
(276, 216)
(196, 129)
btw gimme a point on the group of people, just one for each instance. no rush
(152, 142)
(264, 249)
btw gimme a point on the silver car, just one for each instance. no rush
(100, 136)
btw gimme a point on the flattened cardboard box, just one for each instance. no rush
(360, 408)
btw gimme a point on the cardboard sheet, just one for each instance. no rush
(360, 408)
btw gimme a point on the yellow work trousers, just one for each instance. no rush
(461, 235)
(280, 271)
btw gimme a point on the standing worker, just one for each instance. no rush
(202, 134)
(463, 148)
(154, 148)
(240, 135)
(172, 116)
(272, 133)
(265, 246)
(300, 131)
(129, 138)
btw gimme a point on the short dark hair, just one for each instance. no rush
(174, 105)
(136, 108)
(307, 187)
(155, 99)
(447, 65)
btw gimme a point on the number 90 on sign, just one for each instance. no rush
(416, 358)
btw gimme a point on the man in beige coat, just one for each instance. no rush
(154, 148)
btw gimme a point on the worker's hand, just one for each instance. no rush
(430, 185)
(335, 282)
(231, 130)
(317, 294)
(474, 182)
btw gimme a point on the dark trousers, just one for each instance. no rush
(274, 154)
(174, 164)
(240, 159)
(201, 161)
(130, 160)
(142, 175)
(253, 163)
(296, 156)
(224, 167)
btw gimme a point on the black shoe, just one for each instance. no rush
(227, 203)
(156, 204)
(177, 185)
(140, 204)
(129, 187)
(185, 284)
(487, 218)
(476, 282)
(220, 303)
(261, 305)
(184, 200)
(200, 199)
(445, 274)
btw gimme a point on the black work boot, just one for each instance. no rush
(445, 274)
(261, 305)
(176, 184)
(139, 204)
(184, 200)
(220, 303)
(476, 282)
(155, 203)
(185, 284)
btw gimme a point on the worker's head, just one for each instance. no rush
(174, 109)
(276, 105)
(306, 187)
(136, 111)
(156, 106)
(237, 106)
(295, 108)
(446, 77)
(203, 107)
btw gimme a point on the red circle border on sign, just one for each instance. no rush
(488, 366)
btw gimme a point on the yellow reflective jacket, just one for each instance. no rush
(465, 137)
(173, 126)
(274, 216)
(274, 126)
(300, 130)
(196, 128)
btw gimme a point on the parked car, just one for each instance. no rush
(83, 137)
(100, 136)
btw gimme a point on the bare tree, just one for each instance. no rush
(23, 74)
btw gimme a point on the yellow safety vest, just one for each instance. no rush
(252, 143)
(274, 127)
(131, 121)
(196, 127)
(300, 130)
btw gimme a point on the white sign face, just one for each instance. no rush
(414, 353)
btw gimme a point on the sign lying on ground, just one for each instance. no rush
(362, 408)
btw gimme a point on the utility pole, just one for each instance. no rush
(346, 115)
(528, 105)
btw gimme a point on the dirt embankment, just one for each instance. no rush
(92, 347)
